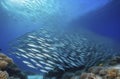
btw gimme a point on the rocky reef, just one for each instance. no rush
(4, 75)
(8, 69)
(107, 70)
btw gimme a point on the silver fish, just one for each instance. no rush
(49, 50)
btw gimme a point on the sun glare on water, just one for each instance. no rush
(30, 7)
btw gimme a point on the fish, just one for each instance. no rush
(26, 62)
(48, 68)
(45, 53)
(31, 45)
(44, 71)
(31, 66)
(24, 56)
(21, 50)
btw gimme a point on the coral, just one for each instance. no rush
(15, 72)
(68, 75)
(102, 72)
(118, 74)
(78, 72)
(112, 73)
(118, 78)
(6, 64)
(8, 60)
(95, 70)
(3, 64)
(88, 76)
(4, 61)
(2, 55)
(83, 76)
(115, 60)
(4, 75)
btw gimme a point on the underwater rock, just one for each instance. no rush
(118, 78)
(3, 64)
(53, 74)
(98, 72)
(75, 77)
(118, 75)
(78, 73)
(4, 75)
(88, 76)
(68, 75)
(7, 66)
(95, 70)
(112, 73)
(59, 73)
(15, 72)
(4, 61)
(115, 60)
(13, 69)
(2, 55)
(102, 72)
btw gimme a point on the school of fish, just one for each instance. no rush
(45, 50)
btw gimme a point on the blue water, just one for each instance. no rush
(93, 15)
